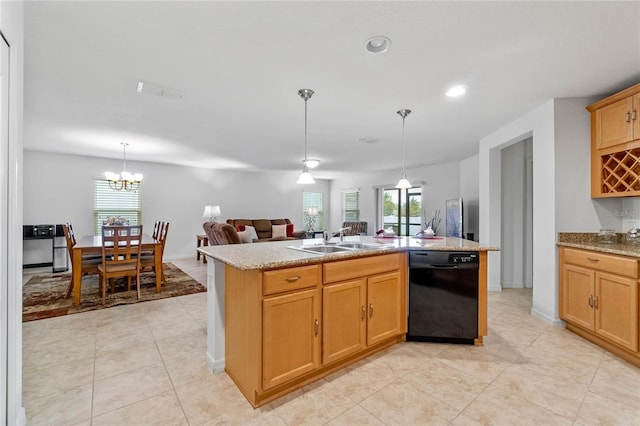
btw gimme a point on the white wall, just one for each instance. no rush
(470, 193)
(576, 211)
(11, 410)
(441, 182)
(60, 189)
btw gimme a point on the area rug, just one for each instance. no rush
(44, 294)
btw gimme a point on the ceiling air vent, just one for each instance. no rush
(152, 89)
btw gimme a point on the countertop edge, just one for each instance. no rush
(617, 249)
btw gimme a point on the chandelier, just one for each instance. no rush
(305, 177)
(124, 181)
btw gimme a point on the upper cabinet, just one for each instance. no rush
(615, 145)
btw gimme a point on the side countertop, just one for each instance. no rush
(589, 241)
(278, 254)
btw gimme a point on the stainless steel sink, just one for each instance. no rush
(358, 245)
(323, 249)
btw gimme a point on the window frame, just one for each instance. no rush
(130, 209)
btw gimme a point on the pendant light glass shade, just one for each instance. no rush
(403, 183)
(305, 177)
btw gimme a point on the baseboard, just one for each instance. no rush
(494, 287)
(214, 366)
(22, 418)
(513, 285)
(546, 318)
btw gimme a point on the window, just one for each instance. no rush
(402, 210)
(351, 205)
(107, 202)
(315, 220)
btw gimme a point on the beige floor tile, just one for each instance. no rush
(163, 409)
(187, 367)
(402, 403)
(51, 379)
(246, 415)
(427, 350)
(110, 339)
(61, 352)
(175, 327)
(573, 365)
(598, 410)
(172, 347)
(132, 358)
(362, 381)
(316, 405)
(481, 365)
(118, 391)
(446, 383)
(401, 359)
(61, 408)
(617, 380)
(208, 399)
(355, 416)
(563, 397)
(463, 420)
(499, 407)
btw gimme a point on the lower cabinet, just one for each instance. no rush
(599, 294)
(360, 313)
(291, 336)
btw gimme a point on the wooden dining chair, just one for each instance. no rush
(89, 264)
(120, 255)
(148, 259)
(156, 229)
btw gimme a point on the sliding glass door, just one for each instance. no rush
(402, 210)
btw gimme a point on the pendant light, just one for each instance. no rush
(305, 177)
(403, 183)
(124, 181)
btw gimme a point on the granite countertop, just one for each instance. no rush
(589, 241)
(276, 254)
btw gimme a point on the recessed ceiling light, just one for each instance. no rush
(456, 91)
(311, 163)
(377, 44)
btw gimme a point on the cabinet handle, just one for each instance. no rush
(364, 313)
(595, 302)
(591, 259)
(316, 327)
(370, 310)
(627, 117)
(293, 279)
(633, 115)
(591, 300)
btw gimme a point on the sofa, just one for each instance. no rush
(264, 228)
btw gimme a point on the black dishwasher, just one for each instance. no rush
(443, 296)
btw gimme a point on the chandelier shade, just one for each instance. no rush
(123, 181)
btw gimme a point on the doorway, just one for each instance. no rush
(517, 215)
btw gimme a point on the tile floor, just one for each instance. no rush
(143, 364)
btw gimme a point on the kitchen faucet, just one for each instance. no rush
(339, 231)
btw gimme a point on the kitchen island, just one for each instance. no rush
(280, 317)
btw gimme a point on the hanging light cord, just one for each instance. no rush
(305, 131)
(404, 148)
(124, 155)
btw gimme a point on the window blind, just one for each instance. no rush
(108, 202)
(351, 206)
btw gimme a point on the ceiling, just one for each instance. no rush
(239, 65)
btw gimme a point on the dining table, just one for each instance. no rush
(90, 244)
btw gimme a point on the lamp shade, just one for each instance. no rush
(212, 212)
(305, 177)
(403, 184)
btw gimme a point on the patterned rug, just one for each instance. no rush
(43, 296)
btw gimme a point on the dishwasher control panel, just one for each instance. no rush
(466, 258)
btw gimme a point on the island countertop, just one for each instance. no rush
(277, 254)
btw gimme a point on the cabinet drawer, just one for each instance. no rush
(618, 265)
(281, 280)
(355, 268)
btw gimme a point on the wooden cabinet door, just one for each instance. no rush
(617, 309)
(384, 308)
(578, 291)
(613, 124)
(291, 336)
(343, 319)
(636, 116)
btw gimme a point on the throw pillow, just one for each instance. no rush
(289, 229)
(252, 232)
(240, 228)
(278, 231)
(245, 236)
